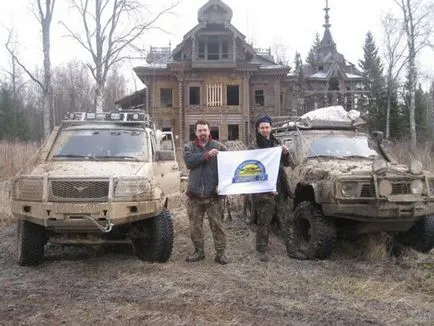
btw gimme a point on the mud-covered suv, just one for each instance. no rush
(344, 180)
(100, 178)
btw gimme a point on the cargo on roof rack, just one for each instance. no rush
(332, 117)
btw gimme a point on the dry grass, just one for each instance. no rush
(13, 156)
(403, 153)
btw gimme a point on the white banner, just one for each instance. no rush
(248, 172)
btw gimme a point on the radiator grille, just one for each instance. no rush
(368, 190)
(401, 188)
(79, 190)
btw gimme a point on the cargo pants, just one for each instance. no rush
(267, 206)
(213, 207)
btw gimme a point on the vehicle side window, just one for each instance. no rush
(166, 143)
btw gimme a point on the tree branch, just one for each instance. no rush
(24, 67)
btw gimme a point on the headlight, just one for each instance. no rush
(416, 167)
(349, 189)
(379, 165)
(29, 189)
(417, 187)
(139, 189)
(384, 188)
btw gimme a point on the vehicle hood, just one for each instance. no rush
(331, 168)
(91, 169)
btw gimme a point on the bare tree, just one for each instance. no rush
(44, 14)
(109, 28)
(395, 58)
(418, 30)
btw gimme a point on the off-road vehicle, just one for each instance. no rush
(344, 180)
(100, 178)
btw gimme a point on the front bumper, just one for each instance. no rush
(381, 211)
(61, 216)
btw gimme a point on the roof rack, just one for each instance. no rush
(123, 116)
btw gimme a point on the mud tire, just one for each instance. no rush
(315, 234)
(31, 239)
(421, 236)
(157, 241)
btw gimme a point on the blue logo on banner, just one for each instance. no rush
(249, 171)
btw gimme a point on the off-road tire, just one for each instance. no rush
(421, 236)
(315, 234)
(31, 239)
(157, 244)
(249, 211)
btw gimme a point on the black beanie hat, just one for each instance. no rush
(263, 118)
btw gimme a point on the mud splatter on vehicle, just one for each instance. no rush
(100, 178)
(344, 180)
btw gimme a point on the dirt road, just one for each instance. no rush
(84, 286)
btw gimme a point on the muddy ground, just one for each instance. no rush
(85, 286)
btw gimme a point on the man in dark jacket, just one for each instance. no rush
(277, 203)
(200, 157)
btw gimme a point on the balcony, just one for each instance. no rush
(204, 109)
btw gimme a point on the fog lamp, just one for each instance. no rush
(416, 167)
(384, 188)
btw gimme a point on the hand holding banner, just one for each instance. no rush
(248, 172)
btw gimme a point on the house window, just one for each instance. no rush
(194, 93)
(282, 99)
(213, 50)
(166, 97)
(233, 94)
(233, 132)
(225, 50)
(192, 132)
(214, 94)
(201, 50)
(333, 84)
(259, 97)
(215, 133)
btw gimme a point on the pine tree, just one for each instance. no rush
(12, 121)
(311, 59)
(423, 126)
(374, 83)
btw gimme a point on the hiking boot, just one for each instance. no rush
(198, 255)
(293, 252)
(221, 258)
(263, 256)
(297, 254)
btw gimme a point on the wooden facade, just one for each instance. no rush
(214, 74)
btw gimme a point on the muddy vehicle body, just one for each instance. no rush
(344, 182)
(100, 178)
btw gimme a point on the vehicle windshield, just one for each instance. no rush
(101, 144)
(343, 147)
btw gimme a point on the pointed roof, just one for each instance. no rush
(214, 12)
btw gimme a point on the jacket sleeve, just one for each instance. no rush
(193, 160)
(285, 159)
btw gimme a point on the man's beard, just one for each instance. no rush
(203, 138)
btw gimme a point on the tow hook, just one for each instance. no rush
(103, 228)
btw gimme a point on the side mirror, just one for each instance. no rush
(165, 156)
(378, 136)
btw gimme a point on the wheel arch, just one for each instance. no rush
(306, 192)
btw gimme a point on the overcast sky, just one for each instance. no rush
(291, 23)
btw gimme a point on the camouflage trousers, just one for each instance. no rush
(213, 207)
(267, 207)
